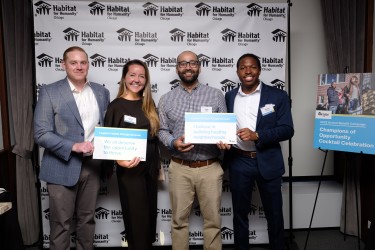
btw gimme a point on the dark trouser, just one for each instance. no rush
(138, 196)
(79, 200)
(243, 172)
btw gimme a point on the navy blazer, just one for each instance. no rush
(272, 128)
(57, 126)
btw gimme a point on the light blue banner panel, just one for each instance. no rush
(119, 143)
(345, 113)
(210, 128)
(120, 133)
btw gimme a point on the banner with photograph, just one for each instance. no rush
(113, 33)
(345, 113)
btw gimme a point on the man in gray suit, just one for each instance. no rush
(65, 117)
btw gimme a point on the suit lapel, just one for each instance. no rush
(264, 96)
(232, 96)
(99, 99)
(67, 94)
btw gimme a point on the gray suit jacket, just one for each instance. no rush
(57, 126)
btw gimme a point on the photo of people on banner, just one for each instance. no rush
(345, 112)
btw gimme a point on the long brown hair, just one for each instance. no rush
(148, 104)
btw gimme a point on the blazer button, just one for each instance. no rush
(82, 134)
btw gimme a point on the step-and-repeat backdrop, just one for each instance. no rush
(114, 32)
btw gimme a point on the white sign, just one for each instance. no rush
(210, 128)
(119, 143)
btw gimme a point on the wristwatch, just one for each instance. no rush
(257, 136)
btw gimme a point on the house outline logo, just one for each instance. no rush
(42, 8)
(96, 8)
(203, 9)
(254, 10)
(98, 60)
(177, 35)
(150, 9)
(228, 35)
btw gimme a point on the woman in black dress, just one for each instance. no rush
(137, 180)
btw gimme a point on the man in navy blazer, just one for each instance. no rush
(64, 120)
(264, 120)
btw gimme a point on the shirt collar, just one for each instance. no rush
(73, 88)
(195, 87)
(257, 90)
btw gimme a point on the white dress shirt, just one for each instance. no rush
(246, 109)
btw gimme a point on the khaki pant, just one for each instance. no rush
(79, 200)
(206, 184)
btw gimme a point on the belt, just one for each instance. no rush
(250, 154)
(194, 164)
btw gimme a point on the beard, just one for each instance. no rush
(188, 80)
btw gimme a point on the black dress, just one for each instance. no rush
(138, 185)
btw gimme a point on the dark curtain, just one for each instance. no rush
(344, 24)
(18, 51)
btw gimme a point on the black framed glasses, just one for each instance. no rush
(184, 64)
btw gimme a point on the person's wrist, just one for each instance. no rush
(256, 136)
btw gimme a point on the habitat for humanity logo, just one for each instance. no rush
(59, 11)
(227, 85)
(151, 60)
(204, 60)
(174, 84)
(227, 233)
(228, 35)
(124, 243)
(269, 13)
(274, 12)
(165, 214)
(166, 12)
(168, 63)
(43, 189)
(323, 114)
(45, 60)
(222, 11)
(101, 238)
(278, 84)
(116, 63)
(113, 11)
(124, 35)
(195, 236)
(150, 9)
(46, 214)
(98, 60)
(270, 63)
(42, 36)
(177, 35)
(193, 38)
(243, 38)
(202, 9)
(141, 38)
(279, 35)
(96, 8)
(218, 63)
(254, 9)
(42, 8)
(101, 213)
(71, 35)
(88, 37)
(218, 12)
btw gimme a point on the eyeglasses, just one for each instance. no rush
(183, 64)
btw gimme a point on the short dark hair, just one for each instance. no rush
(255, 57)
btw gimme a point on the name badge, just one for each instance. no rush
(130, 119)
(267, 109)
(205, 109)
